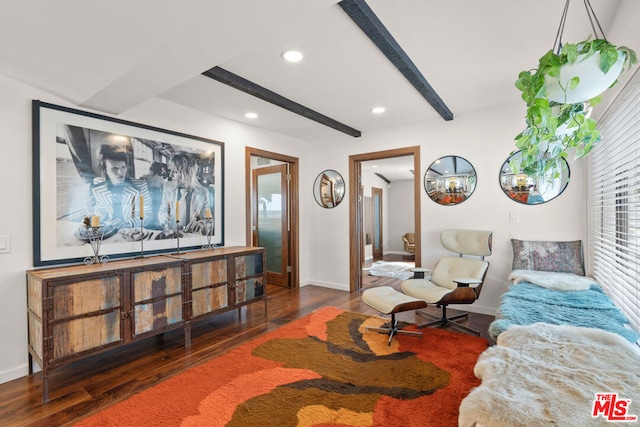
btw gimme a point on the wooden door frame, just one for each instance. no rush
(294, 253)
(356, 201)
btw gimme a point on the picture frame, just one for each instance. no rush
(147, 190)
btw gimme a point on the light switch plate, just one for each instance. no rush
(5, 244)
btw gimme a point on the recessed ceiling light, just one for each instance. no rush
(251, 115)
(292, 56)
(378, 110)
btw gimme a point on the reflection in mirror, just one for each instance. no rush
(450, 180)
(328, 188)
(533, 189)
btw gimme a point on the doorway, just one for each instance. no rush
(376, 205)
(272, 214)
(356, 209)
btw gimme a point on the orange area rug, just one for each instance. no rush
(321, 370)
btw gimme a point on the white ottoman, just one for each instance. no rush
(387, 300)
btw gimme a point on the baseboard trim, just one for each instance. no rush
(338, 286)
(403, 253)
(17, 372)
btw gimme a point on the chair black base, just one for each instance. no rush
(393, 329)
(444, 321)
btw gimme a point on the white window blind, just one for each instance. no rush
(614, 204)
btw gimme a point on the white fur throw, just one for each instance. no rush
(546, 279)
(547, 375)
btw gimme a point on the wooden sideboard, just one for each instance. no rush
(78, 311)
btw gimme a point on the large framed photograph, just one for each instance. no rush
(147, 190)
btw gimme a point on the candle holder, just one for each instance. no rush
(178, 235)
(141, 239)
(95, 235)
(208, 226)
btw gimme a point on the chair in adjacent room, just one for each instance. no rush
(409, 240)
(455, 279)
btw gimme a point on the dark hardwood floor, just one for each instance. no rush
(89, 385)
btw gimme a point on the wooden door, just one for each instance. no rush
(270, 213)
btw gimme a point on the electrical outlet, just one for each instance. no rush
(513, 217)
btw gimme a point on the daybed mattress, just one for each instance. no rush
(525, 303)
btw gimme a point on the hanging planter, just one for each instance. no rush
(583, 71)
(590, 79)
(559, 94)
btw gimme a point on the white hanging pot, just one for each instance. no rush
(592, 80)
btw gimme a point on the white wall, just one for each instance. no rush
(485, 139)
(15, 221)
(16, 194)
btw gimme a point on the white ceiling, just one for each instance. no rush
(393, 169)
(111, 56)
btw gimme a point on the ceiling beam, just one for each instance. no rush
(382, 177)
(360, 12)
(240, 83)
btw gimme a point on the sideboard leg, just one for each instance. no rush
(45, 385)
(187, 335)
(30, 364)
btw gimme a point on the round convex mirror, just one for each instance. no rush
(533, 189)
(450, 180)
(328, 189)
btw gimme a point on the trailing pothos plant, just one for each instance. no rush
(553, 129)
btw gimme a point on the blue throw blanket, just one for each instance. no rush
(525, 304)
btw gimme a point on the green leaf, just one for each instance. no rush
(595, 101)
(571, 84)
(553, 72)
(608, 57)
(571, 52)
